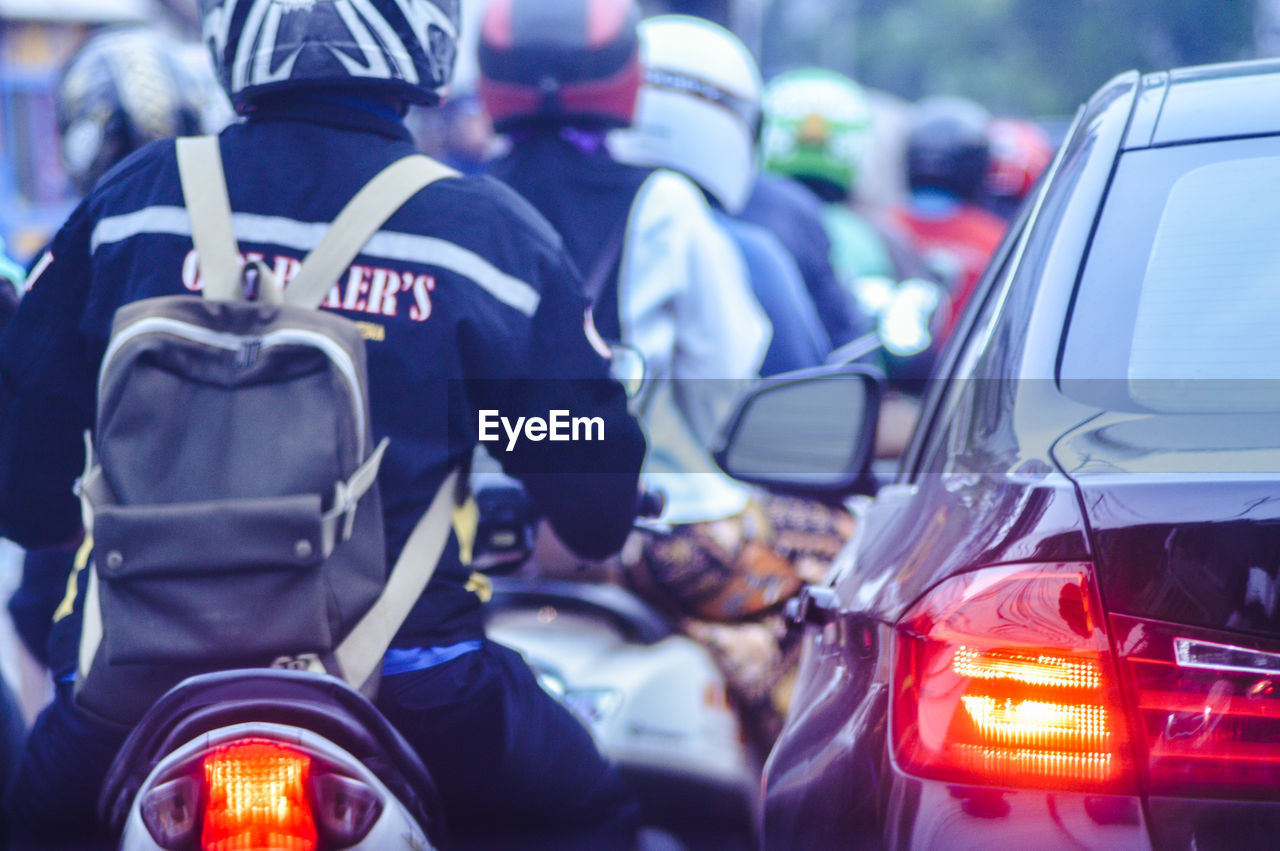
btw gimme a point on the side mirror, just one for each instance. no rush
(627, 366)
(809, 432)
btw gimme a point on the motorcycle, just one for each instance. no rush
(654, 699)
(269, 758)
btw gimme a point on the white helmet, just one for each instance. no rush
(699, 107)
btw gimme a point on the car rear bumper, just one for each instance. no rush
(928, 814)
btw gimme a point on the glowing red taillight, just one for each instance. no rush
(255, 797)
(1208, 708)
(1003, 676)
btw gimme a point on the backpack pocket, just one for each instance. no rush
(220, 582)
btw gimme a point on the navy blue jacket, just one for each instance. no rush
(793, 214)
(587, 197)
(799, 341)
(470, 302)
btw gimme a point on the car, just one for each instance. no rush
(1058, 626)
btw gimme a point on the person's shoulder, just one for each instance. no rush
(779, 190)
(669, 195)
(749, 235)
(762, 251)
(144, 164)
(488, 203)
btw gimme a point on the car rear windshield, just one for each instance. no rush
(1178, 306)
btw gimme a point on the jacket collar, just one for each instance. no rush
(339, 110)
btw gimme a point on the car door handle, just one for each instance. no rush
(815, 604)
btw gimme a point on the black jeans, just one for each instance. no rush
(514, 768)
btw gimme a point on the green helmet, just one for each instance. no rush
(817, 125)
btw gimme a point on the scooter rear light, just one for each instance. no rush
(255, 797)
(1208, 708)
(171, 812)
(346, 809)
(1004, 677)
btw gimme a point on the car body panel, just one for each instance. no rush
(1146, 111)
(1220, 101)
(1211, 561)
(983, 483)
(1006, 467)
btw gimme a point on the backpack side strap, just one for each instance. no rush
(357, 223)
(359, 655)
(204, 189)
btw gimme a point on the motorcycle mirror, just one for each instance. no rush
(809, 432)
(626, 365)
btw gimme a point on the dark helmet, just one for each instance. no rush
(123, 89)
(560, 61)
(947, 147)
(403, 49)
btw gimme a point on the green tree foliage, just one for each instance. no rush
(1016, 56)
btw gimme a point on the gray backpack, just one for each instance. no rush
(230, 486)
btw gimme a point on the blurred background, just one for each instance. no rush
(1029, 58)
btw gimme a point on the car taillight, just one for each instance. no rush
(1004, 677)
(1208, 708)
(255, 797)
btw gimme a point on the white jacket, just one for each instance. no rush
(685, 302)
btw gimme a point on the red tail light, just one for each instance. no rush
(1004, 677)
(1208, 708)
(256, 798)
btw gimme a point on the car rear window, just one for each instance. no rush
(1178, 307)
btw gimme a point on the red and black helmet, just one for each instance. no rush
(569, 62)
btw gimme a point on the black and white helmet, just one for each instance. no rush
(401, 48)
(124, 88)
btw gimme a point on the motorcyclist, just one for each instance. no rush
(697, 113)
(817, 128)
(667, 280)
(715, 146)
(124, 88)
(489, 314)
(794, 215)
(947, 156)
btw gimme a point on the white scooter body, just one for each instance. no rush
(269, 757)
(657, 708)
(394, 827)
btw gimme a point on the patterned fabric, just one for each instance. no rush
(743, 566)
(728, 579)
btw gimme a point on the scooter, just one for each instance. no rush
(269, 758)
(654, 700)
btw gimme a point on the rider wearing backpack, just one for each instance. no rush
(466, 301)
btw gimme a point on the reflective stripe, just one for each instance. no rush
(36, 271)
(304, 236)
(406, 660)
(170, 220)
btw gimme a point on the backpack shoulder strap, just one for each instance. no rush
(360, 653)
(358, 221)
(204, 189)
